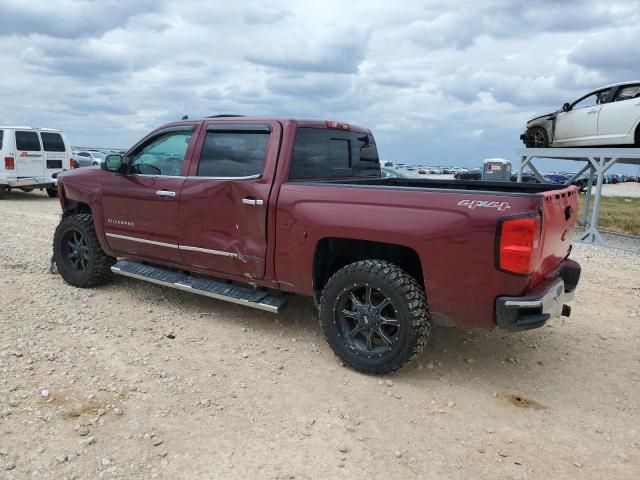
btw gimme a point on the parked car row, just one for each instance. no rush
(91, 157)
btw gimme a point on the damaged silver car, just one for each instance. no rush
(607, 116)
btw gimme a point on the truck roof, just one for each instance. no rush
(302, 122)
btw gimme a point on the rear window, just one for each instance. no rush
(233, 154)
(325, 153)
(1, 136)
(52, 142)
(628, 93)
(27, 141)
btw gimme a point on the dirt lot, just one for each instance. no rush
(135, 381)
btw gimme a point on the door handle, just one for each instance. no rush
(592, 111)
(165, 193)
(252, 201)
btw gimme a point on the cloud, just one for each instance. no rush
(69, 18)
(333, 51)
(612, 53)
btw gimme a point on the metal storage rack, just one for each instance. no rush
(597, 161)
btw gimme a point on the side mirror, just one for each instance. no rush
(566, 107)
(113, 163)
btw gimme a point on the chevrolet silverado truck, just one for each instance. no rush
(250, 210)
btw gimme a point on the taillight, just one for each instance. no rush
(518, 241)
(338, 125)
(72, 163)
(9, 163)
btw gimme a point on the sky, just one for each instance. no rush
(440, 83)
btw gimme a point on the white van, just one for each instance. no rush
(32, 158)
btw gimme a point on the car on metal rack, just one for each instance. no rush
(607, 116)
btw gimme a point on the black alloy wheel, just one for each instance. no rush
(76, 250)
(374, 316)
(78, 254)
(367, 320)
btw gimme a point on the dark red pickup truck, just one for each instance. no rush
(247, 209)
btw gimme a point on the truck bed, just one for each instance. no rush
(451, 229)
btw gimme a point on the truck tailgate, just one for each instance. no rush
(559, 215)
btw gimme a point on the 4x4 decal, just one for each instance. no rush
(473, 204)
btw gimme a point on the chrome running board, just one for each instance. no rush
(220, 290)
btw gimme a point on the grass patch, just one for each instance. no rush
(617, 214)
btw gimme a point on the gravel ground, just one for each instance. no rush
(135, 381)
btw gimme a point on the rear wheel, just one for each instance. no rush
(52, 192)
(637, 143)
(536, 137)
(374, 316)
(78, 254)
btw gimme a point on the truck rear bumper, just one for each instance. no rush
(29, 182)
(544, 301)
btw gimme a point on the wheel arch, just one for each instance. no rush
(76, 207)
(333, 253)
(72, 207)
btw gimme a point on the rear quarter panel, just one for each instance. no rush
(455, 243)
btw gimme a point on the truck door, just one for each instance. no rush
(29, 159)
(224, 201)
(140, 209)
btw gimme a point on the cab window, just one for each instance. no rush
(162, 155)
(233, 154)
(326, 153)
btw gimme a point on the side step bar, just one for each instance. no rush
(220, 290)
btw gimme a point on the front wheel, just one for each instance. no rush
(52, 192)
(536, 137)
(78, 254)
(374, 316)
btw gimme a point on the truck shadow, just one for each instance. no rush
(494, 358)
(19, 195)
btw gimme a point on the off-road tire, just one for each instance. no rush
(98, 266)
(536, 137)
(52, 192)
(408, 301)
